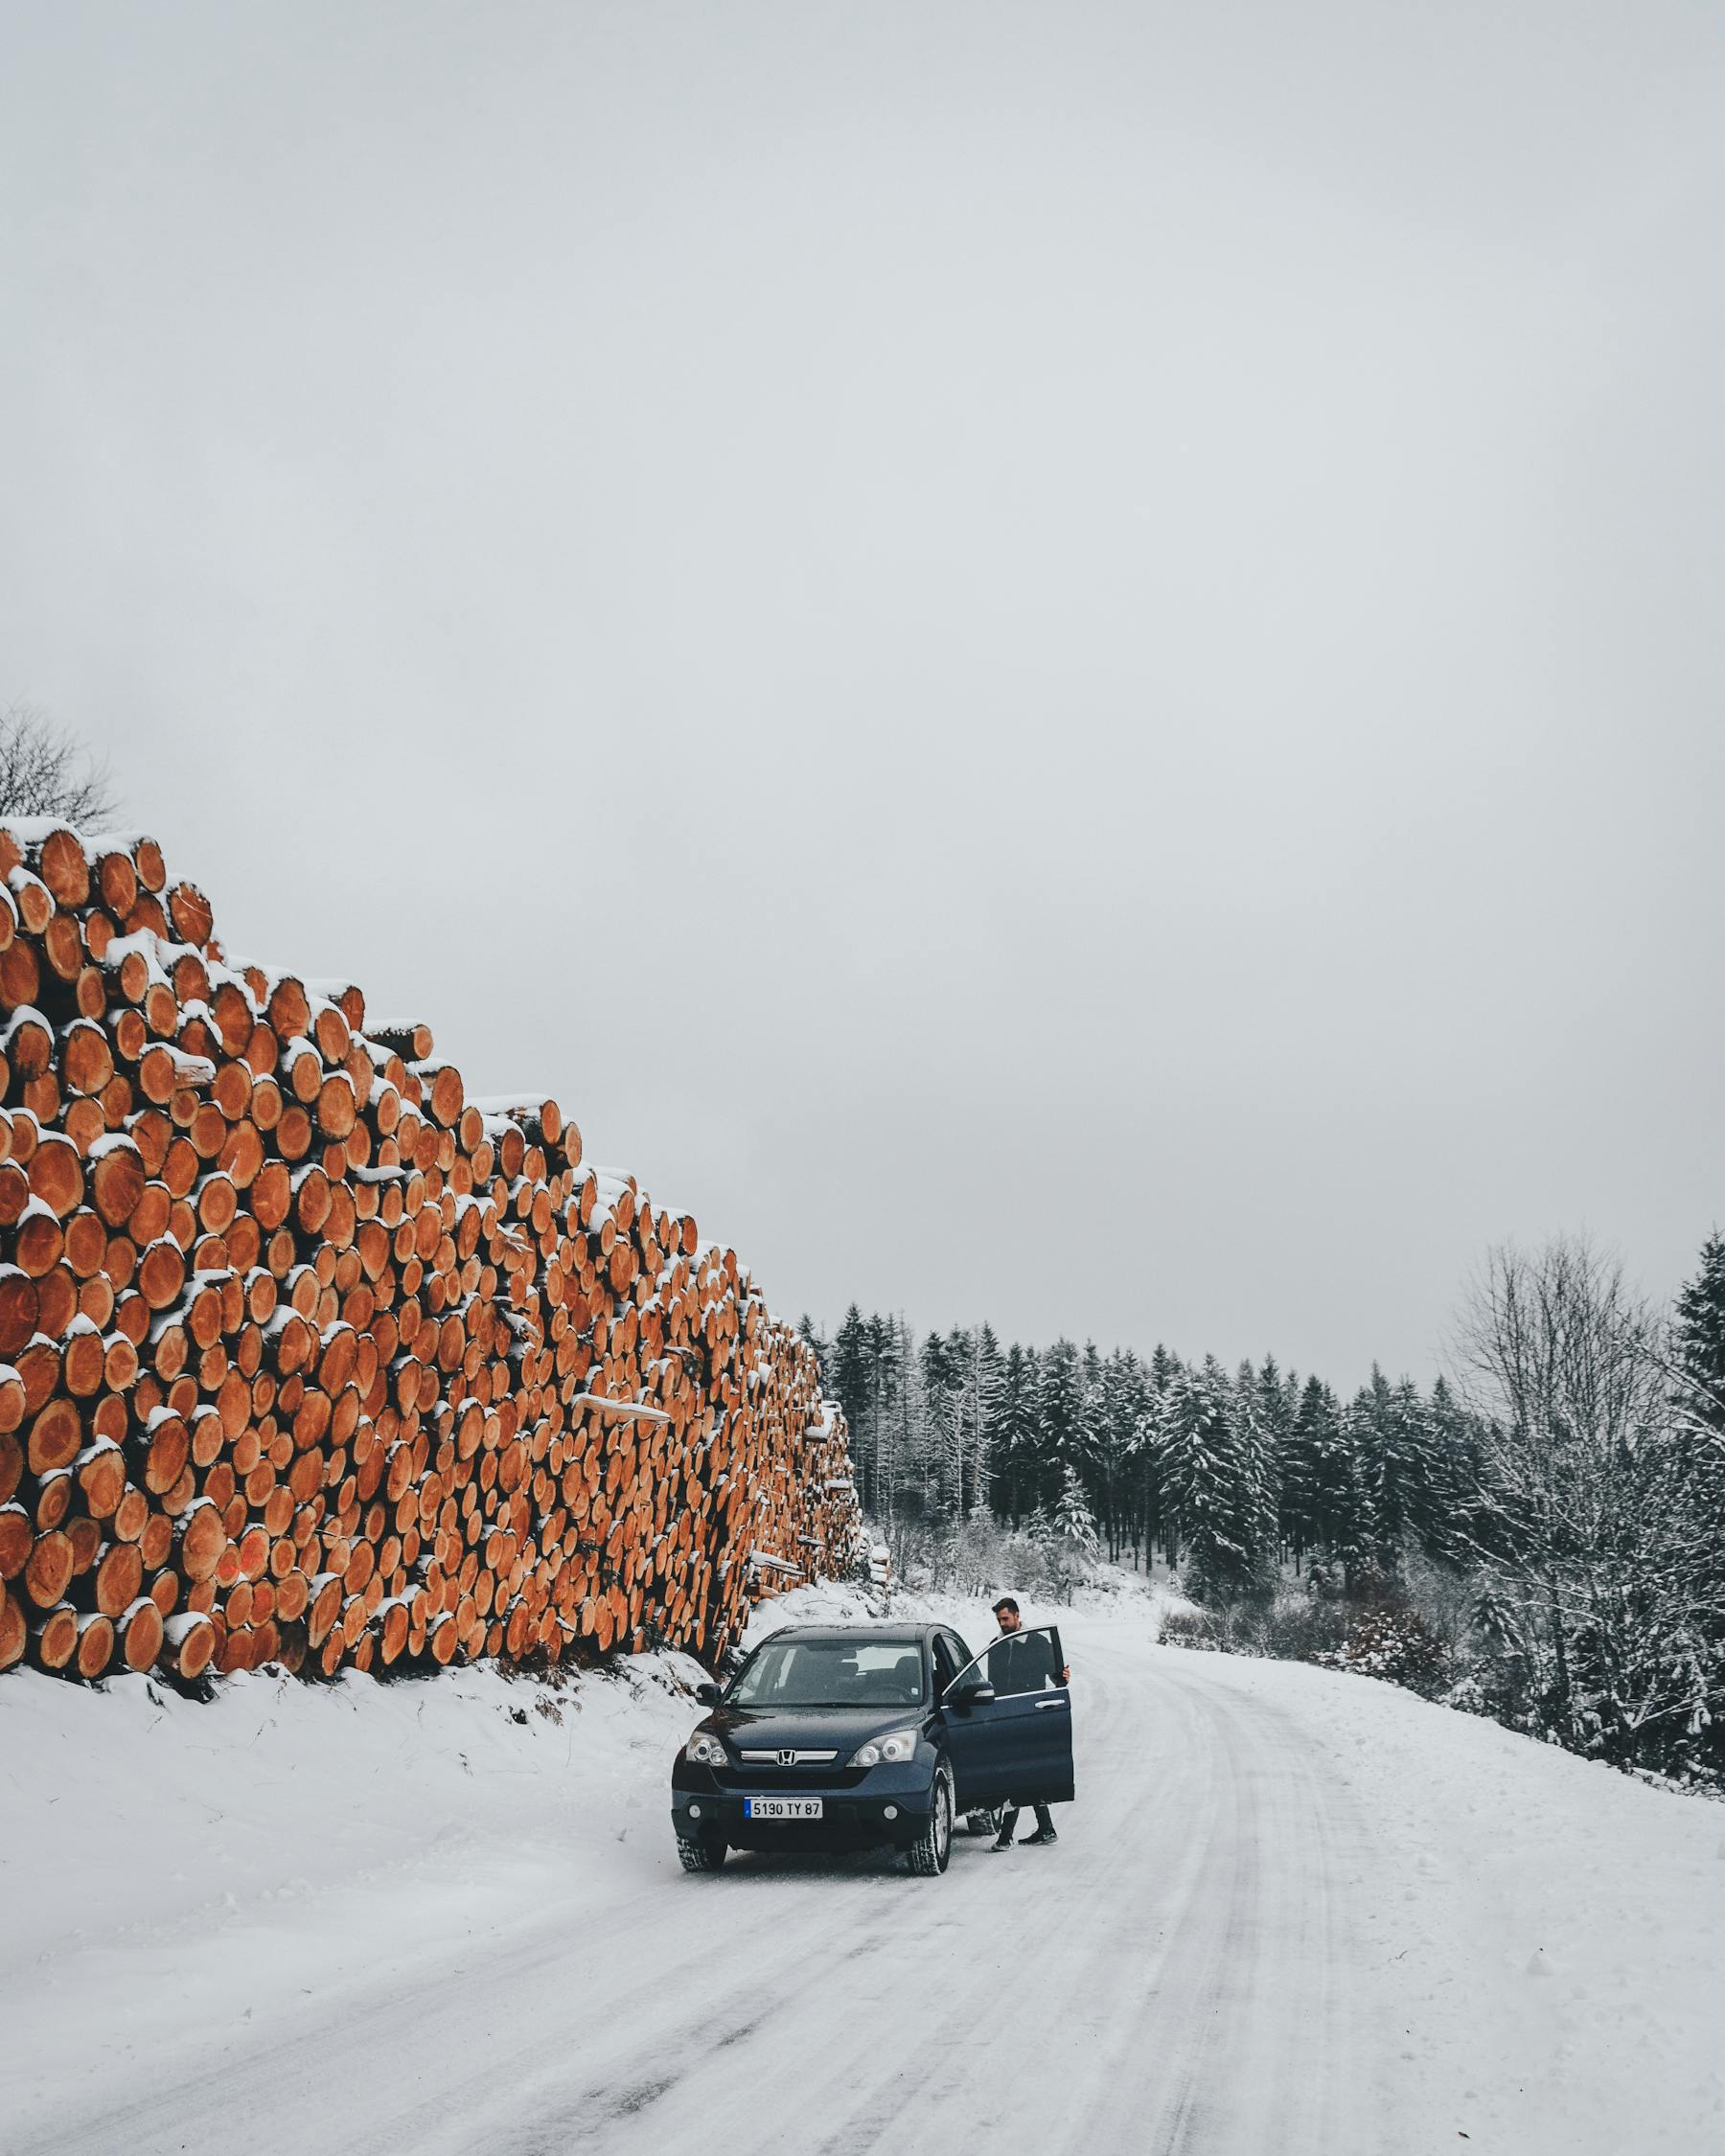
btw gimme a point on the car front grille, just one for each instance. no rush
(761, 1775)
(787, 1759)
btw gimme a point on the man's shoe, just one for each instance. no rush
(1043, 1834)
(994, 1847)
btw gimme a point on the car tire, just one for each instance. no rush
(934, 1846)
(702, 1855)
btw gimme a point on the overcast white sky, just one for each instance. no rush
(1060, 661)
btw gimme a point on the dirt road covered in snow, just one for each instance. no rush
(1291, 1911)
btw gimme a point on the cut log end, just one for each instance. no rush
(189, 1648)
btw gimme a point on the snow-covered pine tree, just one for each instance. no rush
(1360, 1436)
(913, 1436)
(1278, 1401)
(942, 1446)
(850, 1379)
(1323, 1505)
(1062, 1428)
(1124, 1394)
(1699, 1337)
(1068, 1539)
(885, 1386)
(1086, 1452)
(1698, 1344)
(1298, 1522)
(1074, 1518)
(1202, 1478)
(1017, 1429)
(1259, 1491)
(1396, 1454)
(1275, 1401)
(986, 1384)
(1160, 1373)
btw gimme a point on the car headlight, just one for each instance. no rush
(706, 1750)
(887, 1751)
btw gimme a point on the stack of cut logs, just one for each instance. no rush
(306, 1358)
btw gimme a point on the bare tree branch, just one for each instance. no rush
(1597, 1505)
(47, 772)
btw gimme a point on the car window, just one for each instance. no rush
(947, 1661)
(832, 1673)
(1026, 1660)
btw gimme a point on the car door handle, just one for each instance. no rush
(1043, 1705)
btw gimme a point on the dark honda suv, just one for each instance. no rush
(873, 1735)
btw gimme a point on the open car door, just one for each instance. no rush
(1008, 1722)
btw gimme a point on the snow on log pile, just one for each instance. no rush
(306, 1358)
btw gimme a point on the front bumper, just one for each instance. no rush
(889, 1806)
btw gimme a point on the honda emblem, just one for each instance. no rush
(786, 1759)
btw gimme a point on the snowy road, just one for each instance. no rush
(1242, 1944)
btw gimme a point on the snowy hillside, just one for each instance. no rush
(1291, 1911)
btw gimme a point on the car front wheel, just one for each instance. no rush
(934, 1846)
(701, 1856)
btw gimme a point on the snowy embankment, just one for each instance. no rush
(1547, 1935)
(1292, 1911)
(178, 1877)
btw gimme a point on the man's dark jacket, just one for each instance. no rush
(1023, 1662)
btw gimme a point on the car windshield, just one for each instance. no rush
(832, 1673)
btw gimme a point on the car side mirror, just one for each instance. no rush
(707, 1694)
(973, 1693)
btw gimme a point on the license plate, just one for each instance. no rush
(782, 1807)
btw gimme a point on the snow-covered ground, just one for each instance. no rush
(1291, 1911)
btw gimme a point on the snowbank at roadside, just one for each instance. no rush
(1573, 1912)
(160, 1857)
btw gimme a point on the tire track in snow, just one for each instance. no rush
(1170, 1978)
(1265, 2033)
(1129, 2017)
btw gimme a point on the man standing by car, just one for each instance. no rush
(1022, 1664)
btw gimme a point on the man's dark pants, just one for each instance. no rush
(1009, 1820)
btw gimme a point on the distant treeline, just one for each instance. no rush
(1541, 1536)
(1229, 1475)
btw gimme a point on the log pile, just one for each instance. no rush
(306, 1358)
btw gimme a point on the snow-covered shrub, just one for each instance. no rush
(1201, 1629)
(1302, 1627)
(978, 1558)
(1467, 1697)
(1397, 1645)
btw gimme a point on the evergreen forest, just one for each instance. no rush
(1539, 1536)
